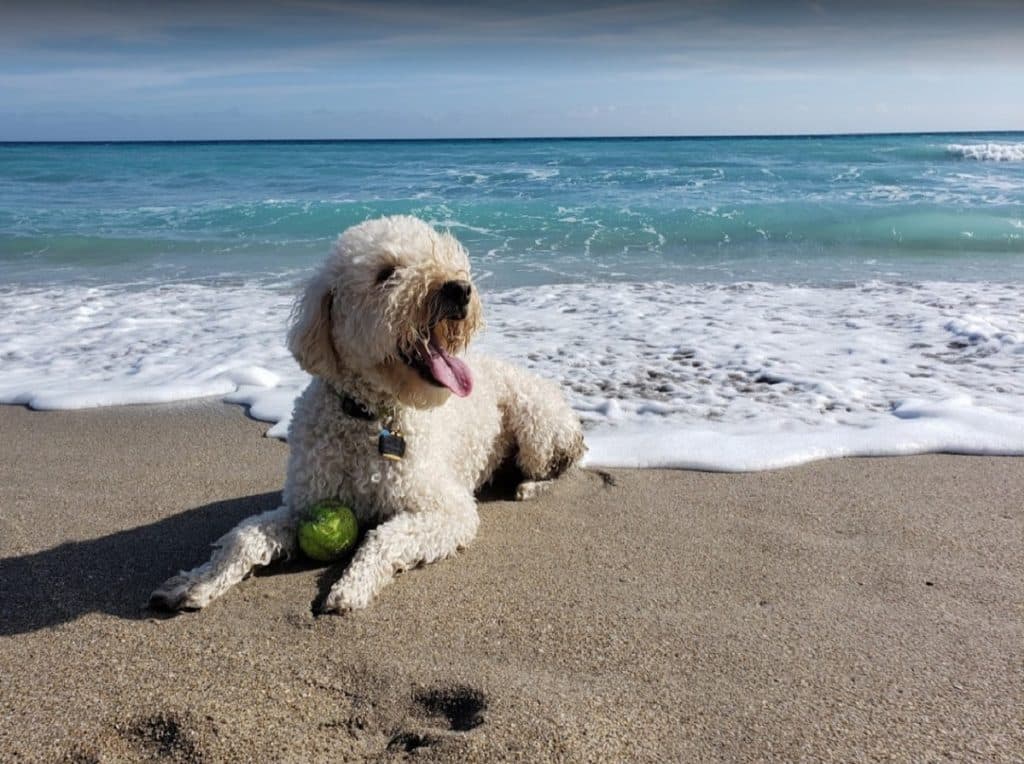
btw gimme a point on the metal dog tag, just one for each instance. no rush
(391, 445)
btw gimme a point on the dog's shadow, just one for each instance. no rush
(115, 574)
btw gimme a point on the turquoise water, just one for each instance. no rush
(694, 298)
(808, 209)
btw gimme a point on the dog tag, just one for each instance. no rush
(391, 445)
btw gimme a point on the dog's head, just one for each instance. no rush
(389, 312)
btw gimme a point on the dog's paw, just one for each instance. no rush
(344, 599)
(531, 489)
(332, 606)
(178, 592)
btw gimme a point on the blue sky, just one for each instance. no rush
(322, 69)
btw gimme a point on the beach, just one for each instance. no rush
(769, 257)
(854, 609)
(726, 316)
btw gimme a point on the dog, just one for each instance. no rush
(397, 422)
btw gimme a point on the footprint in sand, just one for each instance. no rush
(458, 707)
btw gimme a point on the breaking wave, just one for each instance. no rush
(995, 152)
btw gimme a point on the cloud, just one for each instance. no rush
(599, 60)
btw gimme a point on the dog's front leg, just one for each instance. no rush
(257, 540)
(422, 535)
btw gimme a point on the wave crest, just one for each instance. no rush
(996, 152)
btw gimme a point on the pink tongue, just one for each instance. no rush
(451, 372)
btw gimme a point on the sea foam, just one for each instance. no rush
(999, 152)
(727, 377)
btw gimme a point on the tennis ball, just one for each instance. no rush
(328, 530)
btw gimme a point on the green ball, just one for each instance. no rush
(328, 531)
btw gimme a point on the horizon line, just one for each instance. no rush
(512, 139)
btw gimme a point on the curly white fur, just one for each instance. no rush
(374, 299)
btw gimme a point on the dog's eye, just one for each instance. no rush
(385, 273)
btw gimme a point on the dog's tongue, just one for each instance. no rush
(451, 372)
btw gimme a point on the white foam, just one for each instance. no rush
(954, 426)
(998, 152)
(700, 376)
(542, 173)
(77, 347)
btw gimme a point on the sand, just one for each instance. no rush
(848, 610)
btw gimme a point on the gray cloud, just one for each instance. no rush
(554, 66)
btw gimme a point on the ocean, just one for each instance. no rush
(716, 303)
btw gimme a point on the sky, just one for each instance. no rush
(281, 69)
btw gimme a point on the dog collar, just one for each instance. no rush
(354, 408)
(390, 443)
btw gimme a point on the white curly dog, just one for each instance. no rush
(380, 327)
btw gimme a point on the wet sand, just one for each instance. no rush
(851, 610)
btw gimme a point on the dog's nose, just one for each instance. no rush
(456, 292)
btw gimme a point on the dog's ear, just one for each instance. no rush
(309, 335)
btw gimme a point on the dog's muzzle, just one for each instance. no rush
(454, 299)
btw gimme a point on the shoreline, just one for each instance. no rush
(649, 615)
